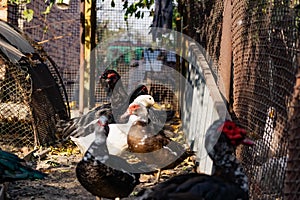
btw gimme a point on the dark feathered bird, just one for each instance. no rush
(106, 175)
(13, 168)
(228, 180)
(111, 81)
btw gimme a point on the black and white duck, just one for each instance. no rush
(150, 146)
(117, 139)
(105, 175)
(228, 180)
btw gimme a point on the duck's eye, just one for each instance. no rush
(135, 107)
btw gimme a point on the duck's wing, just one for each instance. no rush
(75, 126)
(105, 181)
(157, 118)
(84, 142)
(117, 138)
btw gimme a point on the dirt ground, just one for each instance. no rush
(61, 184)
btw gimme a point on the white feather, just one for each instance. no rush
(117, 137)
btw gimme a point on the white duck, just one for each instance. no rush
(117, 138)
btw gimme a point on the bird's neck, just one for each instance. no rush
(98, 150)
(119, 101)
(143, 118)
(227, 166)
(119, 95)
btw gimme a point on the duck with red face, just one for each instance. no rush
(228, 180)
(150, 145)
(108, 80)
(105, 175)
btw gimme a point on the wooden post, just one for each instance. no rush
(93, 22)
(226, 52)
(87, 49)
(82, 60)
(87, 59)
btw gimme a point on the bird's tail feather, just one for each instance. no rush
(14, 168)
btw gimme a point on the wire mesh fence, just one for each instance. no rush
(291, 188)
(127, 46)
(264, 76)
(264, 51)
(124, 45)
(265, 42)
(15, 111)
(59, 35)
(32, 93)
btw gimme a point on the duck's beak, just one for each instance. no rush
(157, 106)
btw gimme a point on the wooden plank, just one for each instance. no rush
(207, 104)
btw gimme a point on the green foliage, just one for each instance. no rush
(19, 1)
(29, 13)
(130, 9)
(133, 9)
(48, 9)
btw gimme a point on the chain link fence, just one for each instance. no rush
(127, 47)
(265, 42)
(15, 111)
(58, 33)
(264, 46)
(32, 96)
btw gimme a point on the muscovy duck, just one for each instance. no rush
(13, 168)
(151, 146)
(119, 98)
(106, 175)
(115, 88)
(110, 80)
(117, 139)
(228, 180)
